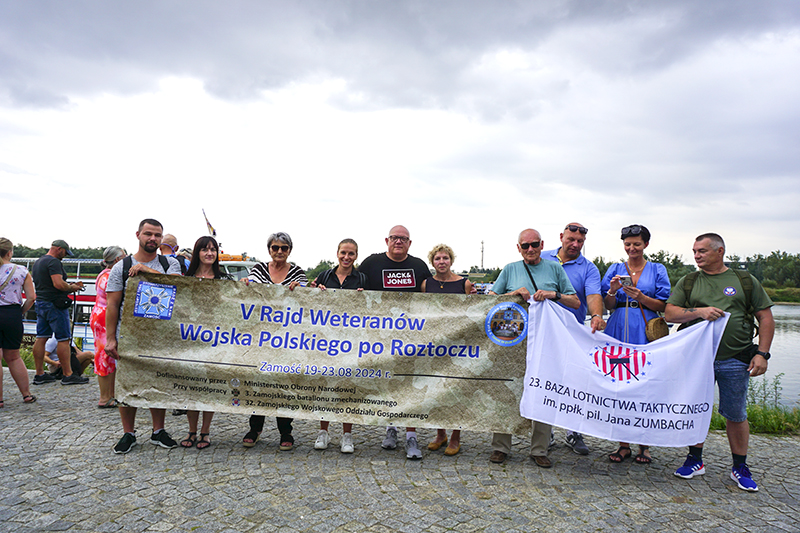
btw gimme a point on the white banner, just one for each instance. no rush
(658, 394)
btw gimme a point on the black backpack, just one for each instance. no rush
(127, 263)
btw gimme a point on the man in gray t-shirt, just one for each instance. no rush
(146, 259)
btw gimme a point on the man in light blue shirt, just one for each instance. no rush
(585, 279)
(539, 280)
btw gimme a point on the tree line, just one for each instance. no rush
(778, 270)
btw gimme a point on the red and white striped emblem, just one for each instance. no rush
(618, 362)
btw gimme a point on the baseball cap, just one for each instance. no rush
(61, 243)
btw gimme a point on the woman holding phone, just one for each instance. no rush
(634, 291)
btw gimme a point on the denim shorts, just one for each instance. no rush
(732, 377)
(50, 319)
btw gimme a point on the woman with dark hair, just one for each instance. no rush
(204, 265)
(445, 281)
(278, 271)
(342, 276)
(14, 279)
(634, 291)
(104, 366)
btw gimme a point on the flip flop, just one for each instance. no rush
(108, 405)
(28, 398)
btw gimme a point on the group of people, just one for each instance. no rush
(635, 292)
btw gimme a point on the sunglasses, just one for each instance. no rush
(632, 230)
(276, 248)
(526, 245)
(573, 227)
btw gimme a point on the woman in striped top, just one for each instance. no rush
(278, 271)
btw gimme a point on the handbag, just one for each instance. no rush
(655, 328)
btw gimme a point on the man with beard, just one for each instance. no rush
(146, 259)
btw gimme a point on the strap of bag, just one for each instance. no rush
(644, 318)
(525, 265)
(14, 269)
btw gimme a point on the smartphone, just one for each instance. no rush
(626, 281)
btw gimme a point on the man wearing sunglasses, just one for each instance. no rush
(396, 270)
(585, 279)
(541, 280)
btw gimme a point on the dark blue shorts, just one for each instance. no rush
(50, 319)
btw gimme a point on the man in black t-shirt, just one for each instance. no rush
(395, 270)
(52, 288)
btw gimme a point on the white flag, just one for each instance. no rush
(658, 394)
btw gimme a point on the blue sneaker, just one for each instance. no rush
(741, 475)
(691, 467)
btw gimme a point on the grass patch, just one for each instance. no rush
(764, 411)
(789, 295)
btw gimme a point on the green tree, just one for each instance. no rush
(676, 269)
(602, 265)
(317, 270)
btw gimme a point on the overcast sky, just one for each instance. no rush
(465, 121)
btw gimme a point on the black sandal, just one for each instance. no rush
(189, 441)
(641, 458)
(28, 398)
(618, 457)
(204, 440)
(287, 443)
(252, 436)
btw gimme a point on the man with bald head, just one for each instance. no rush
(585, 279)
(169, 248)
(396, 270)
(540, 280)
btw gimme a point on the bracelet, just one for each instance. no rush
(611, 294)
(598, 316)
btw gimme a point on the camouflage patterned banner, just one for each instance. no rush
(375, 358)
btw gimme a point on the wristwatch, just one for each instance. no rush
(765, 355)
(558, 296)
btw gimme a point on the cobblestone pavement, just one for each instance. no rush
(58, 473)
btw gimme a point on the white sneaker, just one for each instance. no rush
(347, 443)
(322, 440)
(412, 450)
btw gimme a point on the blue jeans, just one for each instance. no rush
(50, 319)
(732, 377)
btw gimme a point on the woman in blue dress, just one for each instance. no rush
(634, 291)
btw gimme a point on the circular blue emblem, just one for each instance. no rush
(506, 324)
(729, 291)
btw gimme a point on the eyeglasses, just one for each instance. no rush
(399, 238)
(573, 227)
(276, 248)
(636, 229)
(526, 245)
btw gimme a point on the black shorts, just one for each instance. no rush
(10, 327)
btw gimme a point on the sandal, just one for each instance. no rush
(618, 456)
(287, 443)
(28, 398)
(203, 442)
(641, 458)
(250, 438)
(189, 441)
(108, 405)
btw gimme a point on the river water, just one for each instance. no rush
(786, 352)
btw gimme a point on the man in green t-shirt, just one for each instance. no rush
(707, 295)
